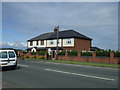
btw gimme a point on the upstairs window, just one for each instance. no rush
(68, 41)
(58, 41)
(42, 42)
(51, 42)
(37, 43)
(31, 43)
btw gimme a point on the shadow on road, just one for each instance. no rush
(9, 69)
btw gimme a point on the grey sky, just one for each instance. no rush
(22, 21)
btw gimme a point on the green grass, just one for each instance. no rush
(78, 62)
(86, 63)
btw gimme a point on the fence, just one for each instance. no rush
(93, 58)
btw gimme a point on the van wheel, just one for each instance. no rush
(15, 66)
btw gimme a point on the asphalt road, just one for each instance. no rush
(36, 74)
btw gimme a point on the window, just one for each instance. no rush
(51, 42)
(68, 41)
(11, 54)
(58, 41)
(31, 43)
(42, 42)
(3, 55)
(37, 42)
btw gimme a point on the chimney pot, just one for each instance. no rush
(56, 29)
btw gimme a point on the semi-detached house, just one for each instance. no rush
(67, 40)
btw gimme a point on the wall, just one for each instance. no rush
(82, 44)
(92, 58)
(75, 45)
(79, 45)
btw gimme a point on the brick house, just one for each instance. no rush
(67, 40)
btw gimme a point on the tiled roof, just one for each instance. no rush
(61, 34)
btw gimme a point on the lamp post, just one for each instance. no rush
(57, 42)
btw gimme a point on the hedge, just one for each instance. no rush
(61, 53)
(86, 53)
(33, 53)
(117, 54)
(24, 52)
(42, 53)
(103, 53)
(72, 53)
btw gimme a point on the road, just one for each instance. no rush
(37, 74)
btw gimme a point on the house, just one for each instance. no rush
(95, 49)
(67, 40)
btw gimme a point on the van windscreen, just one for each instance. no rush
(11, 54)
(3, 54)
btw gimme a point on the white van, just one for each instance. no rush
(8, 58)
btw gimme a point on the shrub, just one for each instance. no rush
(24, 52)
(117, 54)
(104, 53)
(86, 53)
(61, 53)
(41, 52)
(33, 53)
(72, 53)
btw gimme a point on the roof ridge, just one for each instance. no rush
(62, 34)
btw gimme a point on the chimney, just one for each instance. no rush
(56, 29)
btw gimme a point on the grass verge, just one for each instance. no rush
(79, 63)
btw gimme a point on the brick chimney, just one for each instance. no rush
(56, 29)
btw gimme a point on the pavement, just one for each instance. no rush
(37, 74)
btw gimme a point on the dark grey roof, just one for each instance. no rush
(42, 36)
(95, 49)
(62, 34)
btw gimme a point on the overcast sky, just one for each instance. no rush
(23, 21)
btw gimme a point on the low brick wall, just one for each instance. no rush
(28, 54)
(92, 58)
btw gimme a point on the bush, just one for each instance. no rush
(117, 54)
(41, 52)
(72, 53)
(33, 53)
(86, 53)
(24, 52)
(61, 53)
(104, 53)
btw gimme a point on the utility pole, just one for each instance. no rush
(57, 42)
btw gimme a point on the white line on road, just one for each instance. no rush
(23, 65)
(80, 74)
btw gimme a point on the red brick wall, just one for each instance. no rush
(92, 58)
(79, 45)
(82, 44)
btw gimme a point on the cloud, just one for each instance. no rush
(97, 20)
(16, 45)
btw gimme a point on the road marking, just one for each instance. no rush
(23, 65)
(80, 74)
